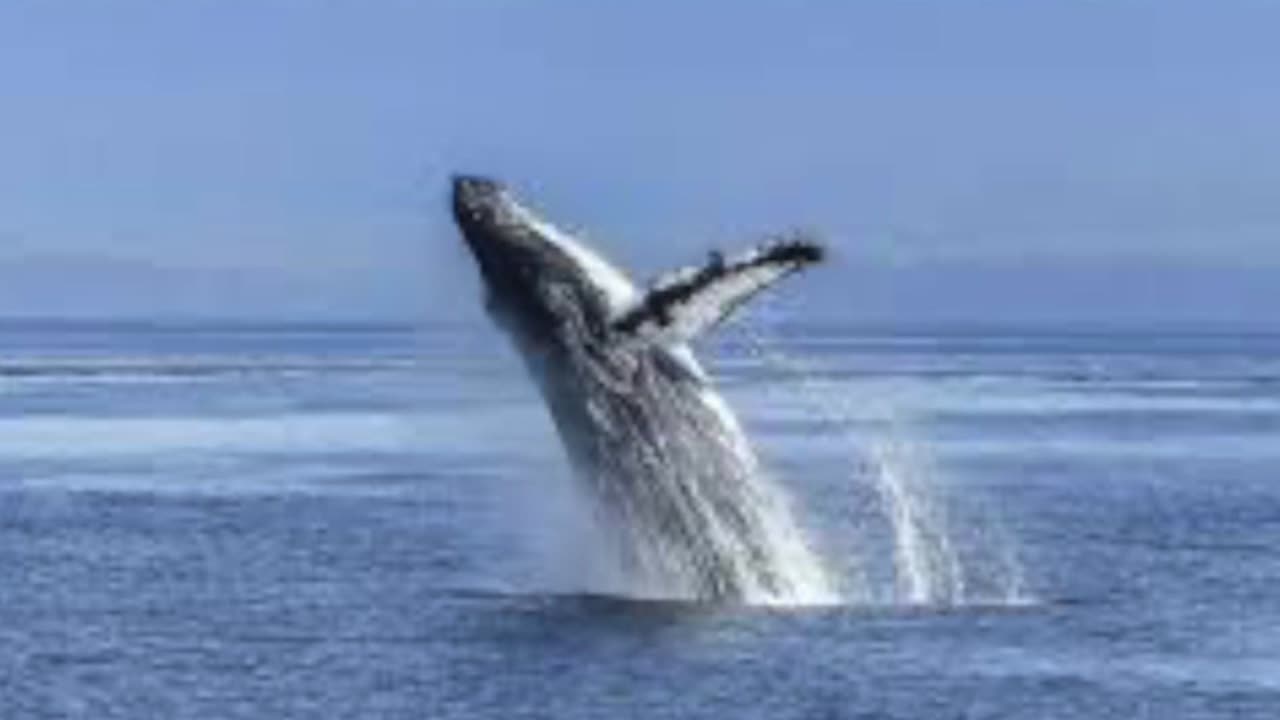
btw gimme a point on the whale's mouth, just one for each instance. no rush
(505, 251)
(475, 204)
(499, 230)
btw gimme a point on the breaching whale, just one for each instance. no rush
(671, 476)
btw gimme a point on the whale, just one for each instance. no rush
(687, 508)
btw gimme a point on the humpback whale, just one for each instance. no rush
(689, 511)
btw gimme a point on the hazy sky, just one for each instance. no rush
(975, 160)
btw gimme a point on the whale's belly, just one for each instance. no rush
(671, 474)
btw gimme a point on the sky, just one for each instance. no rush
(984, 162)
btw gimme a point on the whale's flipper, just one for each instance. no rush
(684, 303)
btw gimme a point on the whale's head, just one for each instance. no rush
(540, 283)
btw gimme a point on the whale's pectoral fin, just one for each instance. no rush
(682, 304)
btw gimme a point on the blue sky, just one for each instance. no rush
(970, 161)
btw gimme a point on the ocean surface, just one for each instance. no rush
(377, 522)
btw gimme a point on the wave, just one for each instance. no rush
(104, 437)
(605, 603)
(995, 397)
(146, 368)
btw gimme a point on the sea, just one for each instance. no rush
(299, 520)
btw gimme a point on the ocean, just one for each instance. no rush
(349, 521)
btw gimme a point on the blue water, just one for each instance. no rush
(375, 522)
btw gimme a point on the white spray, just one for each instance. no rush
(930, 566)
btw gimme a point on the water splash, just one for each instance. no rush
(745, 533)
(929, 570)
(932, 561)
